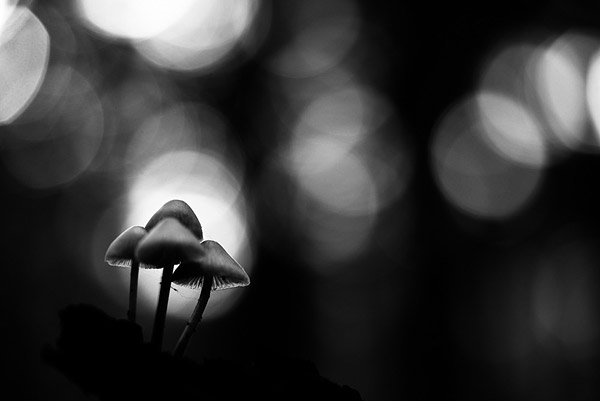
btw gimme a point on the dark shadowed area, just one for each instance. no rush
(410, 187)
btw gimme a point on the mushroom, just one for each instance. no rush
(121, 252)
(213, 269)
(168, 243)
(181, 211)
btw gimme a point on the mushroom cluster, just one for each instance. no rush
(173, 237)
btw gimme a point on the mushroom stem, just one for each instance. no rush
(191, 325)
(133, 284)
(161, 309)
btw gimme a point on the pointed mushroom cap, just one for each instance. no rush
(168, 243)
(121, 251)
(214, 260)
(181, 211)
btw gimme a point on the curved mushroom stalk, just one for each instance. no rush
(121, 252)
(190, 327)
(213, 270)
(166, 245)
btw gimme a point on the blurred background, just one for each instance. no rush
(411, 187)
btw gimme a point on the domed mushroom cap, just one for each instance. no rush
(168, 243)
(180, 211)
(121, 251)
(213, 260)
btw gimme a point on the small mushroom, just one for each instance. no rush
(168, 243)
(121, 252)
(212, 270)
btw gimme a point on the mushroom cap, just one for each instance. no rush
(214, 260)
(168, 243)
(121, 251)
(181, 211)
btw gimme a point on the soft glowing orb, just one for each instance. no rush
(174, 127)
(205, 183)
(24, 52)
(473, 177)
(132, 19)
(335, 159)
(163, 131)
(560, 83)
(7, 7)
(202, 37)
(512, 129)
(593, 93)
(333, 175)
(61, 145)
(508, 71)
(321, 154)
(48, 103)
(348, 114)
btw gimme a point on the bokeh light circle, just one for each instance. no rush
(559, 79)
(512, 129)
(131, 19)
(24, 54)
(593, 94)
(62, 142)
(343, 168)
(7, 7)
(204, 36)
(471, 175)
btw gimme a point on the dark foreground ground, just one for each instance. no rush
(107, 357)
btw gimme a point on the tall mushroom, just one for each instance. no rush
(181, 211)
(213, 269)
(168, 243)
(121, 252)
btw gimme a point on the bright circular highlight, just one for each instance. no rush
(24, 52)
(61, 145)
(471, 175)
(560, 83)
(131, 19)
(344, 169)
(333, 175)
(593, 94)
(7, 7)
(512, 129)
(203, 37)
(348, 114)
